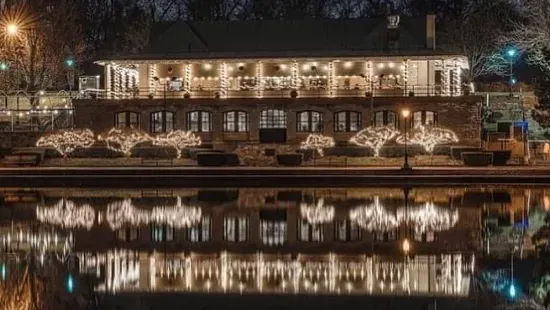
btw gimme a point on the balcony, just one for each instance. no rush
(336, 92)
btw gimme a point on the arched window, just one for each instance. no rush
(235, 121)
(159, 125)
(347, 121)
(199, 121)
(309, 121)
(273, 119)
(310, 232)
(127, 119)
(426, 118)
(385, 118)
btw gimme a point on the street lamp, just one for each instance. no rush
(164, 85)
(511, 53)
(12, 29)
(406, 114)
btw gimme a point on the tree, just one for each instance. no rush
(177, 139)
(67, 141)
(428, 137)
(124, 140)
(317, 142)
(374, 138)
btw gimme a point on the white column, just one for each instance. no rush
(294, 72)
(259, 79)
(223, 80)
(330, 79)
(188, 75)
(446, 86)
(152, 82)
(457, 78)
(108, 86)
(369, 76)
(116, 90)
(406, 68)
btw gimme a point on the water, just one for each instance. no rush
(378, 242)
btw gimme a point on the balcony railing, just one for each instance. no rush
(204, 93)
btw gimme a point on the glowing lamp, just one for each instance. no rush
(405, 113)
(70, 283)
(4, 272)
(12, 29)
(406, 246)
(511, 52)
(512, 291)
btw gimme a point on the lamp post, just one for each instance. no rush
(406, 114)
(511, 52)
(165, 86)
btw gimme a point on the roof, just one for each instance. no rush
(283, 38)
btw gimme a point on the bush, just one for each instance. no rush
(155, 152)
(289, 159)
(456, 151)
(477, 159)
(501, 158)
(216, 159)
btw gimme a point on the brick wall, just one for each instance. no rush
(19, 139)
(460, 114)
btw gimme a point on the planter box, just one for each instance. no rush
(216, 159)
(289, 159)
(456, 151)
(194, 152)
(477, 159)
(307, 154)
(501, 158)
(270, 152)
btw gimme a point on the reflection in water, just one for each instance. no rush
(273, 241)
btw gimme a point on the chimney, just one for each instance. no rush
(430, 31)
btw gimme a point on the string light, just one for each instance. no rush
(124, 140)
(177, 139)
(317, 142)
(374, 217)
(374, 137)
(429, 137)
(317, 213)
(429, 217)
(67, 141)
(67, 214)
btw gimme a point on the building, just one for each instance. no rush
(278, 81)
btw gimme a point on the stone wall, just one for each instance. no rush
(460, 114)
(18, 139)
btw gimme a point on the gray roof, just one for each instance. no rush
(283, 38)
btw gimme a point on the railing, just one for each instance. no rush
(216, 92)
(35, 120)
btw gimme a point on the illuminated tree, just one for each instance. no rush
(317, 142)
(429, 137)
(66, 141)
(177, 139)
(374, 137)
(124, 140)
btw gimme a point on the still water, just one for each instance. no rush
(325, 241)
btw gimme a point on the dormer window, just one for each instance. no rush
(393, 21)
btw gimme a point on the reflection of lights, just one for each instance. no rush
(317, 214)
(177, 216)
(374, 217)
(66, 214)
(406, 246)
(317, 142)
(429, 218)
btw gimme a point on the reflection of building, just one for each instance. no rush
(433, 275)
(278, 81)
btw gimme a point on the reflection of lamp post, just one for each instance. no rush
(406, 114)
(406, 246)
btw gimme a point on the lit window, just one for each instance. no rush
(157, 123)
(161, 233)
(199, 121)
(273, 233)
(127, 119)
(235, 121)
(309, 233)
(201, 232)
(273, 119)
(386, 236)
(385, 118)
(426, 118)
(347, 231)
(235, 229)
(347, 121)
(128, 234)
(309, 121)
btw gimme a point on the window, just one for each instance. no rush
(347, 121)
(347, 231)
(127, 119)
(202, 231)
(390, 235)
(157, 121)
(235, 229)
(128, 234)
(235, 121)
(161, 233)
(199, 121)
(273, 233)
(385, 118)
(426, 237)
(309, 121)
(309, 233)
(273, 119)
(426, 118)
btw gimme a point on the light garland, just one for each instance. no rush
(124, 140)
(318, 213)
(152, 83)
(108, 77)
(66, 141)
(429, 217)
(369, 76)
(374, 137)
(177, 139)
(294, 76)
(187, 77)
(317, 142)
(67, 214)
(374, 217)
(330, 79)
(429, 137)
(259, 79)
(223, 80)
(177, 216)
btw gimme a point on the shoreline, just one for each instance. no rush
(267, 176)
